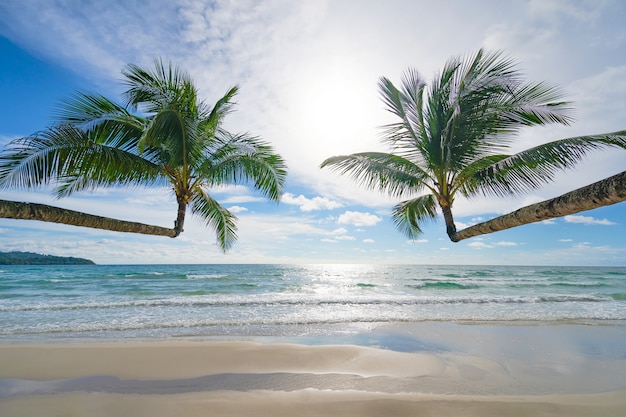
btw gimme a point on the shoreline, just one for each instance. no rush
(417, 369)
(322, 333)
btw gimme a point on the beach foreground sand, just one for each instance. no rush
(200, 378)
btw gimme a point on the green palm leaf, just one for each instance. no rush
(89, 110)
(536, 166)
(389, 173)
(73, 160)
(212, 122)
(243, 159)
(165, 87)
(409, 215)
(215, 216)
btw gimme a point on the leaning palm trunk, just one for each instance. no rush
(602, 193)
(42, 212)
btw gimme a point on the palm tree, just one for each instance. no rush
(163, 134)
(450, 139)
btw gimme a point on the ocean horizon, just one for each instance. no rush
(294, 302)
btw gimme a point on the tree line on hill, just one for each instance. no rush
(29, 258)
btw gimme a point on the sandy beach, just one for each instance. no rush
(241, 378)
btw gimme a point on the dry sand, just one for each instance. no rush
(198, 378)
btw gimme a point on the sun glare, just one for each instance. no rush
(338, 109)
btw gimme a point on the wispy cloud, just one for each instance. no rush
(588, 220)
(479, 245)
(505, 243)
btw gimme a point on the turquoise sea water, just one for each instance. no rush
(105, 302)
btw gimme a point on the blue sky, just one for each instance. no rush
(307, 73)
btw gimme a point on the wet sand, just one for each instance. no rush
(459, 371)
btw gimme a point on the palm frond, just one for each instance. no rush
(212, 122)
(39, 159)
(244, 159)
(532, 104)
(216, 217)
(72, 159)
(104, 164)
(408, 136)
(536, 166)
(104, 120)
(388, 173)
(409, 215)
(489, 103)
(162, 88)
(166, 131)
(89, 110)
(468, 180)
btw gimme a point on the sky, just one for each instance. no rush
(308, 72)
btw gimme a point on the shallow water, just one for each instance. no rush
(238, 301)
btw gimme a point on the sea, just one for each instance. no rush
(139, 302)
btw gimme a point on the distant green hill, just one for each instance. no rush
(28, 258)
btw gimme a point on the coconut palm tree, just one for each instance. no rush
(162, 135)
(451, 139)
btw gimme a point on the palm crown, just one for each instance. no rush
(163, 134)
(451, 138)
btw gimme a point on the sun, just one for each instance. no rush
(337, 107)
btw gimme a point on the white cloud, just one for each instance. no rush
(505, 243)
(479, 245)
(369, 241)
(237, 209)
(310, 204)
(339, 234)
(357, 218)
(461, 225)
(565, 240)
(588, 220)
(240, 199)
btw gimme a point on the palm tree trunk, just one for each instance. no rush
(609, 191)
(447, 215)
(42, 212)
(180, 217)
